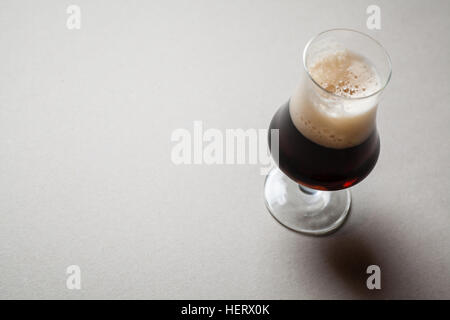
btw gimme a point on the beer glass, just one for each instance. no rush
(327, 135)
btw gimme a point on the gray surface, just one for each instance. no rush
(85, 170)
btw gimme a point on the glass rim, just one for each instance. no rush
(388, 58)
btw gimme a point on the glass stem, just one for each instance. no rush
(307, 190)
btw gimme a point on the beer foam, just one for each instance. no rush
(329, 115)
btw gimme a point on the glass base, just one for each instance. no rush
(302, 209)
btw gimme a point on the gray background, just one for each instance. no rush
(86, 176)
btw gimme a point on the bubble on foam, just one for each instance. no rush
(344, 73)
(337, 123)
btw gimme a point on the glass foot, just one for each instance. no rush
(305, 210)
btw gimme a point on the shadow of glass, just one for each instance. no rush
(336, 265)
(348, 257)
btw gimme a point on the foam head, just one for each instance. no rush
(345, 73)
(333, 111)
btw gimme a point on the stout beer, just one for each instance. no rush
(327, 133)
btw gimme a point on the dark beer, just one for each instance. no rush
(317, 166)
(325, 137)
